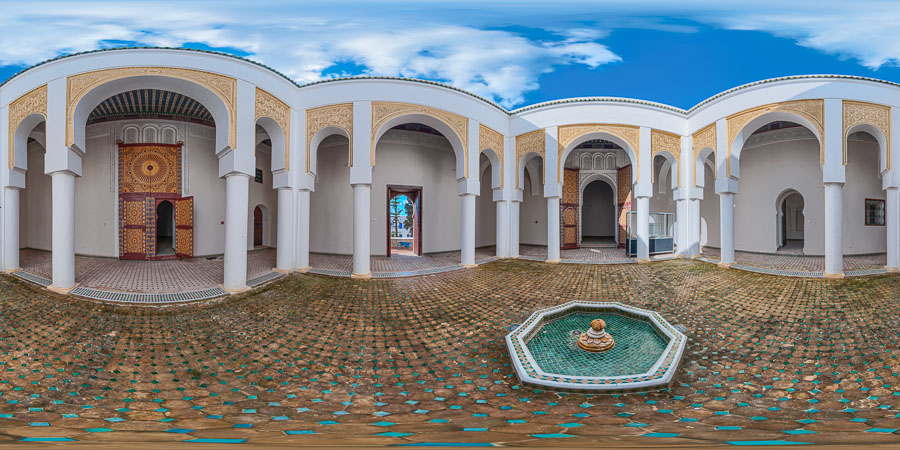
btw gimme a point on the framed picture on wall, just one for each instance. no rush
(874, 212)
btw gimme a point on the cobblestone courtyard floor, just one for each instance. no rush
(318, 360)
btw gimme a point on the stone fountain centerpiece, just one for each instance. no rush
(596, 339)
(624, 349)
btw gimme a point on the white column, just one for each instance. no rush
(303, 230)
(467, 247)
(694, 223)
(237, 191)
(680, 228)
(11, 229)
(892, 214)
(834, 242)
(502, 238)
(552, 230)
(361, 223)
(284, 252)
(514, 228)
(643, 228)
(726, 222)
(63, 231)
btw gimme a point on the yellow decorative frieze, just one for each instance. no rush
(859, 113)
(223, 87)
(338, 116)
(34, 102)
(490, 139)
(705, 138)
(382, 112)
(668, 142)
(811, 110)
(531, 142)
(567, 134)
(267, 105)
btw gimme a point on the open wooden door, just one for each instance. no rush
(134, 216)
(184, 227)
(569, 206)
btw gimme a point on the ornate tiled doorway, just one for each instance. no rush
(150, 184)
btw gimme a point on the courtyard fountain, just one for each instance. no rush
(596, 346)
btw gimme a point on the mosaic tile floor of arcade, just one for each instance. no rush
(312, 360)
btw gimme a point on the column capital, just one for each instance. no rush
(63, 172)
(236, 173)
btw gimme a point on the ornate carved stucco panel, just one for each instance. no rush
(79, 85)
(668, 142)
(340, 116)
(567, 134)
(531, 142)
(488, 138)
(811, 110)
(267, 105)
(704, 138)
(878, 116)
(34, 102)
(382, 112)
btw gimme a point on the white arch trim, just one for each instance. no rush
(733, 158)
(533, 162)
(883, 145)
(313, 155)
(496, 172)
(217, 93)
(454, 128)
(605, 135)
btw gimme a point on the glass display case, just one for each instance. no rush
(662, 233)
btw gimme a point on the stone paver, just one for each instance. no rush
(800, 263)
(319, 360)
(396, 263)
(148, 276)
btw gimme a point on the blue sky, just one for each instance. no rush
(515, 53)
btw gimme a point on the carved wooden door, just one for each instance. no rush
(134, 219)
(257, 227)
(184, 227)
(569, 206)
(624, 199)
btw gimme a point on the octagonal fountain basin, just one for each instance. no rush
(566, 348)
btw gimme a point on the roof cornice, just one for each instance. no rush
(631, 101)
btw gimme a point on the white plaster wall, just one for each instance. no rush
(209, 195)
(598, 213)
(35, 210)
(766, 172)
(862, 182)
(95, 202)
(263, 194)
(662, 202)
(96, 199)
(331, 205)
(485, 212)
(433, 169)
(532, 216)
(710, 233)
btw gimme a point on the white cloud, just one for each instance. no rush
(498, 50)
(498, 64)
